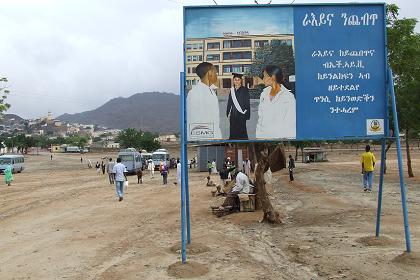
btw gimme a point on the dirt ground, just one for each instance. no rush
(61, 220)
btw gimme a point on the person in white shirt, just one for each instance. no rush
(109, 170)
(241, 186)
(214, 167)
(277, 107)
(247, 167)
(178, 172)
(151, 168)
(120, 177)
(203, 119)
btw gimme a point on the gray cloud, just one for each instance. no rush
(74, 55)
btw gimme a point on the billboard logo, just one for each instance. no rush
(201, 131)
(375, 126)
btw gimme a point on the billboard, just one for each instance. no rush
(281, 72)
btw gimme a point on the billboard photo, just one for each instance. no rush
(284, 72)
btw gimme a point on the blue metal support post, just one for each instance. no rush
(183, 168)
(187, 196)
(381, 182)
(400, 162)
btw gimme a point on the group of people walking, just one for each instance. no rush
(117, 172)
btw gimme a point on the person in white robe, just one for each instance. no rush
(203, 119)
(214, 167)
(247, 167)
(277, 108)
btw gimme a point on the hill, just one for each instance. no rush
(148, 111)
(8, 118)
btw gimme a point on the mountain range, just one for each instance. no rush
(148, 111)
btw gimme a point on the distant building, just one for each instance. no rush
(58, 149)
(112, 145)
(167, 138)
(230, 54)
(314, 154)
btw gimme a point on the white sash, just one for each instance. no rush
(235, 102)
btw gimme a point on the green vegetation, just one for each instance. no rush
(277, 53)
(404, 59)
(3, 95)
(22, 143)
(132, 138)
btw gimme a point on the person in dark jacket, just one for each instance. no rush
(103, 167)
(291, 168)
(224, 174)
(238, 109)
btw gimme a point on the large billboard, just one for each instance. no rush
(276, 72)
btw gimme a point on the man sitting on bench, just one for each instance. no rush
(231, 202)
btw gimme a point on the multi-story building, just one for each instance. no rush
(233, 54)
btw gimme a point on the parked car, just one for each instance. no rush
(17, 162)
(131, 159)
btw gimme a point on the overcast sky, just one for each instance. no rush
(68, 56)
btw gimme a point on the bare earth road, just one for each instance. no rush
(61, 220)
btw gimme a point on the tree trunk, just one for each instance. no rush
(252, 156)
(386, 151)
(270, 215)
(236, 156)
(296, 154)
(301, 151)
(407, 150)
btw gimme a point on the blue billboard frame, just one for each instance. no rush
(370, 137)
(389, 92)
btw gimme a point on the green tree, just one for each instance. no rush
(300, 145)
(148, 141)
(77, 140)
(404, 59)
(4, 91)
(42, 141)
(277, 53)
(129, 138)
(132, 138)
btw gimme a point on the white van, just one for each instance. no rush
(17, 162)
(160, 155)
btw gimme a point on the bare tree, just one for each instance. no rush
(262, 200)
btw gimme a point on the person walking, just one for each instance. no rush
(8, 175)
(163, 168)
(178, 172)
(51, 157)
(291, 168)
(109, 170)
(209, 167)
(368, 166)
(103, 167)
(81, 160)
(98, 167)
(151, 168)
(120, 176)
